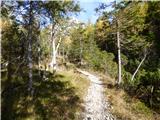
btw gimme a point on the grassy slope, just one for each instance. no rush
(58, 98)
(125, 107)
(77, 80)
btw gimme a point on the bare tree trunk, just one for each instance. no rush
(54, 55)
(9, 68)
(138, 67)
(80, 51)
(39, 49)
(119, 56)
(54, 50)
(59, 42)
(53, 46)
(30, 87)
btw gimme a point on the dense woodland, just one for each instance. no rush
(39, 37)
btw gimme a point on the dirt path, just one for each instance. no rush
(96, 107)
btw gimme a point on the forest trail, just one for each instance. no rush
(96, 105)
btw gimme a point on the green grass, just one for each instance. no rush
(141, 108)
(80, 82)
(58, 98)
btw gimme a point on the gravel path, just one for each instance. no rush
(96, 106)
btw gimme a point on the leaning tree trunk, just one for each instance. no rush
(30, 86)
(138, 67)
(119, 55)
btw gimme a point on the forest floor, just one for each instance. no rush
(123, 106)
(96, 106)
(58, 97)
(105, 102)
(70, 95)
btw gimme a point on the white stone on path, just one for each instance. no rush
(96, 106)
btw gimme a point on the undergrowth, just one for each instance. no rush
(57, 98)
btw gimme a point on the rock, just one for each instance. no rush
(96, 107)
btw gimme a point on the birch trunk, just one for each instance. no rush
(54, 50)
(53, 47)
(138, 67)
(119, 55)
(54, 55)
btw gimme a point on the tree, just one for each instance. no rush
(139, 45)
(56, 15)
(119, 55)
(116, 29)
(27, 13)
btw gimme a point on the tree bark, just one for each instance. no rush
(55, 51)
(53, 64)
(54, 55)
(53, 45)
(9, 67)
(80, 51)
(30, 87)
(119, 55)
(138, 67)
(39, 49)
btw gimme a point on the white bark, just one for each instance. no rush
(54, 53)
(138, 67)
(55, 30)
(53, 46)
(59, 42)
(119, 56)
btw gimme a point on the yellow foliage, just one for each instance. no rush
(67, 40)
(5, 24)
(143, 9)
(99, 24)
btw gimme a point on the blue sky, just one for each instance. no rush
(89, 7)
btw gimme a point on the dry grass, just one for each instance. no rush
(123, 106)
(80, 82)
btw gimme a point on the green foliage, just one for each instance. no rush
(22, 25)
(91, 46)
(139, 35)
(45, 46)
(84, 49)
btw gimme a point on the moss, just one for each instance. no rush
(141, 108)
